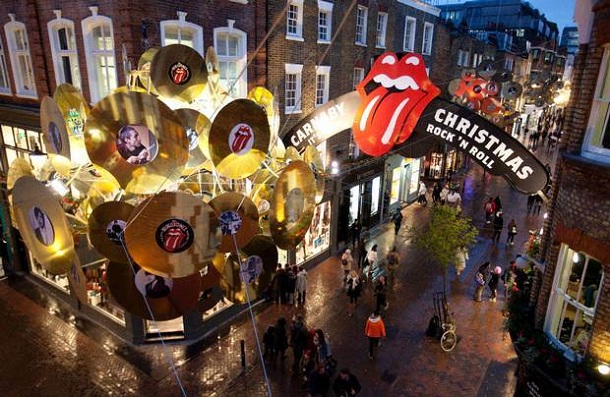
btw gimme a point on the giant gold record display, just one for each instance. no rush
(106, 227)
(238, 218)
(54, 132)
(293, 205)
(313, 157)
(173, 234)
(43, 225)
(197, 127)
(178, 71)
(73, 107)
(138, 139)
(239, 139)
(264, 248)
(152, 296)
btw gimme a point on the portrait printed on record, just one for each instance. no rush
(43, 228)
(230, 222)
(153, 286)
(136, 144)
(115, 231)
(55, 137)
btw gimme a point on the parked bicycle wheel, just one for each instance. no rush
(448, 340)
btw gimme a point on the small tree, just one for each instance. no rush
(444, 235)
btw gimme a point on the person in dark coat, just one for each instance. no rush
(318, 381)
(397, 218)
(356, 228)
(498, 225)
(346, 384)
(481, 279)
(380, 294)
(281, 337)
(361, 253)
(298, 340)
(494, 279)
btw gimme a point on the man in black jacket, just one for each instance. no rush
(346, 384)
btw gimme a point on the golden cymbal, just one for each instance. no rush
(18, 168)
(54, 132)
(239, 139)
(43, 225)
(172, 233)
(138, 139)
(313, 157)
(106, 226)
(197, 128)
(178, 71)
(293, 205)
(238, 218)
(150, 296)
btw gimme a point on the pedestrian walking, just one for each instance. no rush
(361, 253)
(319, 382)
(356, 228)
(393, 257)
(301, 286)
(291, 284)
(354, 289)
(460, 259)
(498, 203)
(298, 340)
(281, 337)
(454, 199)
(397, 219)
(380, 292)
(512, 232)
(371, 263)
(490, 209)
(444, 193)
(422, 193)
(498, 225)
(509, 278)
(481, 279)
(269, 344)
(374, 330)
(494, 279)
(347, 263)
(346, 384)
(323, 354)
(436, 193)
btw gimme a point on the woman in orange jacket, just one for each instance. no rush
(374, 330)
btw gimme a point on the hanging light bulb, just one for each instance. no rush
(575, 257)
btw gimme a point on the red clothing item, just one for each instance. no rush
(375, 328)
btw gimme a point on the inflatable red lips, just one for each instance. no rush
(394, 95)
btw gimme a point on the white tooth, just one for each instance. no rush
(367, 113)
(385, 139)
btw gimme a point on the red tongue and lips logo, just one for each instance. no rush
(394, 94)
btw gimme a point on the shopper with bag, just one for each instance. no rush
(481, 279)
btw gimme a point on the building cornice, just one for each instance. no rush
(420, 5)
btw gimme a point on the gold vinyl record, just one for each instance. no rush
(239, 139)
(73, 107)
(200, 183)
(197, 128)
(172, 233)
(231, 283)
(511, 90)
(293, 205)
(107, 223)
(313, 157)
(291, 154)
(238, 218)
(264, 248)
(78, 281)
(144, 70)
(178, 71)
(43, 225)
(18, 168)
(152, 296)
(139, 140)
(58, 164)
(54, 132)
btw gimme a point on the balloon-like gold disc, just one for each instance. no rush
(178, 71)
(239, 139)
(293, 205)
(18, 168)
(106, 226)
(138, 139)
(264, 248)
(73, 107)
(54, 132)
(313, 157)
(197, 128)
(238, 217)
(173, 234)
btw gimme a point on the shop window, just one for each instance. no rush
(409, 37)
(294, 20)
(361, 21)
(428, 36)
(292, 94)
(597, 138)
(325, 19)
(4, 84)
(382, 26)
(375, 195)
(181, 32)
(99, 49)
(322, 82)
(231, 48)
(21, 59)
(63, 50)
(573, 299)
(358, 76)
(98, 295)
(317, 238)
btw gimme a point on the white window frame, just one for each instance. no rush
(181, 25)
(466, 58)
(428, 36)
(361, 25)
(599, 118)
(240, 88)
(567, 294)
(20, 80)
(5, 85)
(297, 71)
(408, 43)
(298, 34)
(322, 75)
(88, 24)
(358, 76)
(53, 28)
(326, 8)
(382, 27)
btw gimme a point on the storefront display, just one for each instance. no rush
(98, 295)
(317, 238)
(375, 194)
(395, 185)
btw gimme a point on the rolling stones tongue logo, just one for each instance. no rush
(394, 95)
(174, 235)
(179, 73)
